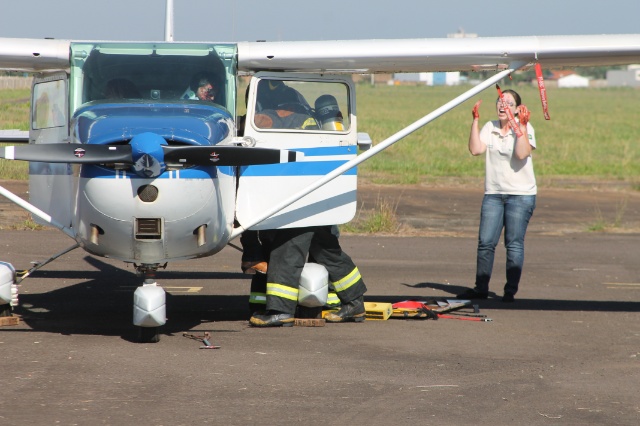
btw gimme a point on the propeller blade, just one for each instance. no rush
(228, 155)
(69, 153)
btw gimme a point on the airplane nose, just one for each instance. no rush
(148, 156)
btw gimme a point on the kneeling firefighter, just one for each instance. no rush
(290, 248)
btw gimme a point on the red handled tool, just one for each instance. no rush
(543, 92)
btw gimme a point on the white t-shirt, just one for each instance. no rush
(505, 174)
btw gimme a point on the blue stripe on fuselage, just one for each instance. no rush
(306, 168)
(332, 150)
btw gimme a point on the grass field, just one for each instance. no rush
(592, 134)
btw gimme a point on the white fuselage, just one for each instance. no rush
(190, 217)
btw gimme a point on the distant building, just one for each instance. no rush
(428, 78)
(573, 80)
(462, 34)
(624, 78)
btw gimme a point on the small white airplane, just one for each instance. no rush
(152, 176)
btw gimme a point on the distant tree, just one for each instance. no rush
(530, 75)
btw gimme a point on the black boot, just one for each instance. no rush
(351, 311)
(271, 319)
(472, 293)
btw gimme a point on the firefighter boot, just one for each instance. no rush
(271, 319)
(351, 311)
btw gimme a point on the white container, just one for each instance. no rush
(149, 307)
(314, 286)
(7, 279)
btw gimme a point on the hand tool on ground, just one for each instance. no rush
(204, 339)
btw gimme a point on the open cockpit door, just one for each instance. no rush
(313, 114)
(50, 184)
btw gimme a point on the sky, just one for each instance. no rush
(289, 20)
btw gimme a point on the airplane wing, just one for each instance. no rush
(14, 136)
(439, 54)
(33, 55)
(379, 56)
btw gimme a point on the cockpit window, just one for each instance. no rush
(48, 105)
(156, 72)
(301, 105)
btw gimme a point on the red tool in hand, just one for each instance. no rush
(523, 114)
(543, 92)
(476, 110)
(512, 120)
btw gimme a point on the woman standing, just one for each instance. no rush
(510, 190)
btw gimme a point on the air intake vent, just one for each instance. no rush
(148, 193)
(148, 229)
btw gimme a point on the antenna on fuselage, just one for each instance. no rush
(168, 23)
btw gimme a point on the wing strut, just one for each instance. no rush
(22, 275)
(381, 146)
(36, 211)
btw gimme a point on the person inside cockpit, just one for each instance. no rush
(279, 106)
(201, 87)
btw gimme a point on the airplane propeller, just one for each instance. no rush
(149, 154)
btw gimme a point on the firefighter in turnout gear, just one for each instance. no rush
(279, 106)
(289, 253)
(258, 290)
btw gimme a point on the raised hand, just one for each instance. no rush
(476, 110)
(523, 114)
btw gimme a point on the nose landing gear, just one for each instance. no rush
(149, 305)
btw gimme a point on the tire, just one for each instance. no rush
(148, 334)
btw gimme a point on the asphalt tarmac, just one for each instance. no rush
(565, 353)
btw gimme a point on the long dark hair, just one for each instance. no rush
(515, 95)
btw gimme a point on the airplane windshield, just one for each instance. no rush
(153, 72)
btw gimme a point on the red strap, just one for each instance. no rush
(512, 120)
(543, 92)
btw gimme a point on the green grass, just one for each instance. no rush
(14, 114)
(14, 109)
(381, 218)
(13, 170)
(592, 133)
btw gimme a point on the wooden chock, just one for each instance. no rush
(7, 321)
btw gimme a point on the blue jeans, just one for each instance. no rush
(511, 212)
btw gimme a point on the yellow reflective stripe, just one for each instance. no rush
(309, 122)
(332, 299)
(282, 291)
(347, 281)
(258, 298)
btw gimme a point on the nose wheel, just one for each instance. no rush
(149, 305)
(148, 334)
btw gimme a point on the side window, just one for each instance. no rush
(302, 105)
(48, 105)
